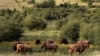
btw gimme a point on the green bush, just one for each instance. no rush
(31, 2)
(46, 4)
(11, 26)
(10, 30)
(34, 23)
(57, 13)
(60, 23)
(66, 5)
(90, 32)
(71, 31)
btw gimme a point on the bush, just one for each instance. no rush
(66, 5)
(71, 31)
(34, 23)
(31, 2)
(60, 23)
(57, 13)
(10, 30)
(46, 4)
(90, 32)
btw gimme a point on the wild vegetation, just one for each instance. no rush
(48, 20)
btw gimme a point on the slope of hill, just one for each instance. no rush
(11, 4)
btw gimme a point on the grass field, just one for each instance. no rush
(6, 50)
(50, 32)
(60, 52)
(96, 53)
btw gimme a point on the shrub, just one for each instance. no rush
(57, 13)
(34, 23)
(66, 5)
(90, 32)
(71, 31)
(10, 30)
(46, 4)
(60, 23)
(31, 2)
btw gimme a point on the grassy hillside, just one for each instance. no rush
(73, 22)
(6, 50)
(11, 4)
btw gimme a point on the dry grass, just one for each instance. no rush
(11, 4)
(6, 50)
(49, 33)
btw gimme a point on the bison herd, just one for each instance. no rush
(49, 44)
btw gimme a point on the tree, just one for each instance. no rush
(90, 32)
(71, 31)
(10, 30)
(34, 23)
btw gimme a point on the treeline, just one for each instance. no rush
(75, 22)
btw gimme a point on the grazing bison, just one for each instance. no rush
(37, 41)
(63, 41)
(85, 43)
(49, 41)
(49, 46)
(14, 46)
(79, 47)
(22, 47)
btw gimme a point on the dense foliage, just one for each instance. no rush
(32, 22)
(10, 27)
(72, 21)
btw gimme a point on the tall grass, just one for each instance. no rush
(7, 50)
(49, 54)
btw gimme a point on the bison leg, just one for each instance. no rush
(78, 53)
(70, 52)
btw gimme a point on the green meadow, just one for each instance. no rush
(28, 20)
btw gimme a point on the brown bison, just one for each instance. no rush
(49, 41)
(22, 47)
(14, 46)
(49, 46)
(85, 43)
(79, 47)
(37, 41)
(63, 41)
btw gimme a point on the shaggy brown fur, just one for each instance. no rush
(49, 41)
(37, 41)
(14, 46)
(63, 41)
(22, 47)
(85, 43)
(49, 46)
(79, 47)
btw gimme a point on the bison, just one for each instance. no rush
(85, 43)
(49, 46)
(63, 41)
(22, 47)
(49, 41)
(37, 41)
(14, 46)
(79, 47)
